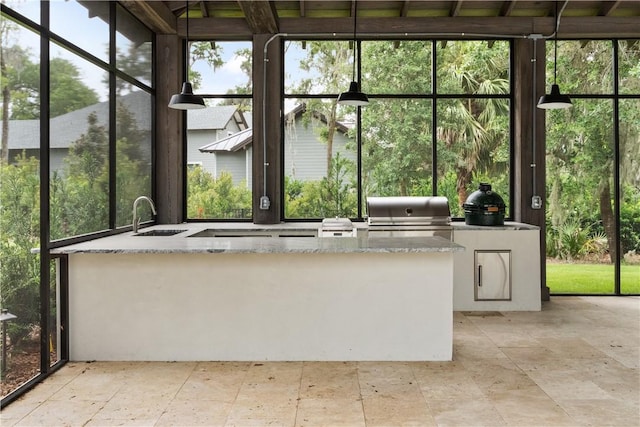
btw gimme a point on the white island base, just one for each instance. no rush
(261, 306)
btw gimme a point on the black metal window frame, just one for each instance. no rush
(434, 96)
(615, 97)
(46, 244)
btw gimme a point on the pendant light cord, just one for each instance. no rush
(187, 56)
(555, 46)
(355, 25)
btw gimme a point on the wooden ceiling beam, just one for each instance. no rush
(154, 14)
(261, 16)
(578, 27)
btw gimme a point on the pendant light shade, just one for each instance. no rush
(353, 96)
(186, 100)
(555, 100)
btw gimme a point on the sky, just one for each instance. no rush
(70, 20)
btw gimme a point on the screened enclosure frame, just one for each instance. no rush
(47, 37)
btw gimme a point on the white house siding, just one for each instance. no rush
(305, 155)
(233, 162)
(195, 140)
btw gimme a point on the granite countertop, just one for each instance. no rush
(292, 237)
(508, 226)
(182, 243)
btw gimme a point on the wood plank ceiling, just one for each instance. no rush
(240, 19)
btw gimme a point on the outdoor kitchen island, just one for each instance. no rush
(157, 296)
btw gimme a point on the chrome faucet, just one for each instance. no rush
(136, 221)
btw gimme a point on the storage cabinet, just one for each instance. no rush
(505, 260)
(492, 275)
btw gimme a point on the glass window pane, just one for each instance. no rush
(472, 67)
(29, 9)
(20, 210)
(584, 67)
(473, 147)
(219, 68)
(629, 66)
(580, 216)
(317, 67)
(85, 24)
(219, 156)
(79, 155)
(320, 161)
(133, 46)
(133, 153)
(397, 148)
(396, 67)
(630, 196)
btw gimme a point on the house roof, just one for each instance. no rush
(231, 143)
(215, 118)
(69, 127)
(245, 137)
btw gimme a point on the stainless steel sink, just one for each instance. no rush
(159, 232)
(244, 232)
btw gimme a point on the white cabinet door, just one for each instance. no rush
(492, 275)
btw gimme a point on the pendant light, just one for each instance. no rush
(353, 96)
(555, 100)
(186, 100)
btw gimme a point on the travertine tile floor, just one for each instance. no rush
(576, 363)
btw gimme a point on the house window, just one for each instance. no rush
(219, 137)
(438, 123)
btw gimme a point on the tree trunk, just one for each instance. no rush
(463, 180)
(331, 122)
(608, 220)
(4, 153)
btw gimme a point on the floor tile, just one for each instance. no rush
(465, 412)
(330, 412)
(564, 366)
(397, 410)
(195, 413)
(331, 380)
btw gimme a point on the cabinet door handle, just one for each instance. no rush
(479, 275)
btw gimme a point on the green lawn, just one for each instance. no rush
(591, 278)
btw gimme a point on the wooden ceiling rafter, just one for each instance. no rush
(404, 11)
(156, 15)
(507, 8)
(261, 16)
(608, 7)
(301, 6)
(456, 6)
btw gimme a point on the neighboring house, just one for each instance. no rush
(232, 154)
(305, 152)
(64, 130)
(211, 124)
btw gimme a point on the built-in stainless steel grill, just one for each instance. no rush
(409, 216)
